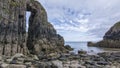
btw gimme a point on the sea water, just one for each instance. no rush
(83, 46)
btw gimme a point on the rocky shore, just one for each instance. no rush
(64, 60)
(41, 46)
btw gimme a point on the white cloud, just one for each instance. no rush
(93, 17)
(82, 21)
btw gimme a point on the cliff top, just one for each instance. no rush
(117, 24)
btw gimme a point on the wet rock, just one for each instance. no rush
(83, 55)
(90, 44)
(89, 62)
(98, 59)
(89, 66)
(104, 54)
(53, 66)
(82, 52)
(17, 59)
(117, 54)
(68, 47)
(102, 63)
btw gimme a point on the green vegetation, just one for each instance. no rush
(5, 9)
(117, 24)
(0, 17)
(32, 0)
(13, 3)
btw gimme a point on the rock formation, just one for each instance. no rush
(113, 33)
(41, 36)
(12, 27)
(111, 38)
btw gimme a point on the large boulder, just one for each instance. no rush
(68, 47)
(90, 43)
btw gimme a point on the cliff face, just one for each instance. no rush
(41, 34)
(111, 38)
(12, 27)
(42, 37)
(114, 32)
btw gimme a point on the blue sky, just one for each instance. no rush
(82, 20)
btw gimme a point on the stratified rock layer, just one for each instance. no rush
(111, 38)
(113, 33)
(41, 36)
(12, 27)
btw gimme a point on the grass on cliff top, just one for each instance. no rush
(117, 24)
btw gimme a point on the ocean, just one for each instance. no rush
(83, 46)
(90, 50)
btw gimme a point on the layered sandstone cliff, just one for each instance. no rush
(41, 36)
(12, 27)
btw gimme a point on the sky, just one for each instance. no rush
(82, 20)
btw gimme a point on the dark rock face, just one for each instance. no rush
(42, 37)
(114, 32)
(90, 43)
(12, 27)
(111, 38)
(68, 47)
